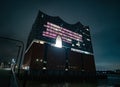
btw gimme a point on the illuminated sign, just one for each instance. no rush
(52, 31)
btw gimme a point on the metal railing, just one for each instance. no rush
(21, 56)
(13, 79)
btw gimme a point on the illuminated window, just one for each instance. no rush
(83, 44)
(87, 29)
(41, 60)
(58, 42)
(73, 45)
(44, 68)
(37, 60)
(44, 61)
(78, 43)
(88, 39)
(66, 69)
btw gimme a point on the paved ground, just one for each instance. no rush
(5, 75)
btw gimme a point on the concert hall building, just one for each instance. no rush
(57, 47)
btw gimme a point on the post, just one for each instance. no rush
(19, 48)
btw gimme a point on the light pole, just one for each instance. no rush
(22, 43)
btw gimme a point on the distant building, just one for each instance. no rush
(56, 46)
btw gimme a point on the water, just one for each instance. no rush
(75, 84)
(112, 81)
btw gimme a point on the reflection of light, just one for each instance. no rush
(58, 42)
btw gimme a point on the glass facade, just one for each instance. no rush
(47, 28)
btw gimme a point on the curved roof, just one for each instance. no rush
(62, 21)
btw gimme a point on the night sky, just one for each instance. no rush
(102, 16)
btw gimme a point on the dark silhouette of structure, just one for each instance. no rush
(55, 48)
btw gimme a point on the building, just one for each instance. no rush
(57, 47)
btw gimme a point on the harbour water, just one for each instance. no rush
(111, 81)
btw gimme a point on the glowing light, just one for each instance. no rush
(13, 60)
(41, 60)
(53, 30)
(41, 42)
(88, 39)
(73, 45)
(58, 42)
(44, 68)
(66, 69)
(80, 51)
(37, 60)
(78, 43)
(26, 67)
(87, 29)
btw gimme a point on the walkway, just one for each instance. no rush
(5, 74)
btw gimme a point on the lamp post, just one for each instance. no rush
(22, 43)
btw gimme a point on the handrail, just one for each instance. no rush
(13, 80)
(19, 65)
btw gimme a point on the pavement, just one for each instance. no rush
(5, 76)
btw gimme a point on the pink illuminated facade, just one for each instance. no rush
(53, 31)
